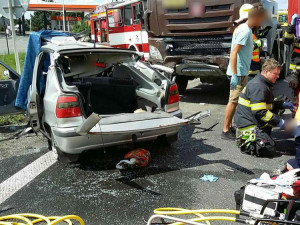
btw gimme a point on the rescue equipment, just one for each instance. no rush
(289, 214)
(135, 158)
(30, 219)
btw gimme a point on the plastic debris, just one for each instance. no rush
(209, 178)
(135, 158)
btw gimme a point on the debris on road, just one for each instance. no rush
(228, 169)
(210, 178)
(135, 158)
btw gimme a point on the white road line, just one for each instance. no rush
(24, 176)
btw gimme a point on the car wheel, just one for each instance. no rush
(62, 156)
(182, 82)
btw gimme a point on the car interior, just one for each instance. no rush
(112, 84)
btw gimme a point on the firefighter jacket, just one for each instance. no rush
(255, 105)
(255, 63)
(289, 38)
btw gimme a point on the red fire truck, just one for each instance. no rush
(294, 7)
(120, 24)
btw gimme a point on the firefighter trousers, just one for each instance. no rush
(259, 142)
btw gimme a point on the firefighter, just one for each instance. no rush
(290, 37)
(255, 61)
(255, 115)
(294, 127)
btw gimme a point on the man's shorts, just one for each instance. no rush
(236, 91)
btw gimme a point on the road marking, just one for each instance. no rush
(24, 176)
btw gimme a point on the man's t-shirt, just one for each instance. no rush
(242, 36)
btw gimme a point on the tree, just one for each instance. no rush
(81, 27)
(37, 20)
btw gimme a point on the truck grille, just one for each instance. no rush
(217, 19)
(207, 9)
(200, 46)
(199, 20)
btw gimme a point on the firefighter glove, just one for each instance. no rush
(288, 105)
(234, 80)
(281, 124)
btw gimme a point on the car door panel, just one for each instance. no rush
(8, 90)
(33, 99)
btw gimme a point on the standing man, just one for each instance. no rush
(240, 60)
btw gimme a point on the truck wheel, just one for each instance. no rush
(62, 156)
(182, 82)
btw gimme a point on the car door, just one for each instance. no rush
(9, 83)
(34, 106)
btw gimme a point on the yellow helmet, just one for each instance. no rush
(243, 13)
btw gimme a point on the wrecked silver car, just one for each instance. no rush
(89, 98)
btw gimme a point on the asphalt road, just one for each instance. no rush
(100, 194)
(21, 44)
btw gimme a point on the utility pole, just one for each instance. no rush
(64, 16)
(12, 26)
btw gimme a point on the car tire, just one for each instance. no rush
(62, 156)
(182, 82)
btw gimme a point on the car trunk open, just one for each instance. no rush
(129, 97)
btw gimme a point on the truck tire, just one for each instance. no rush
(182, 82)
(62, 156)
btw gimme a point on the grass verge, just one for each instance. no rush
(10, 61)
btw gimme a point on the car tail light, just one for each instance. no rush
(98, 64)
(173, 94)
(67, 107)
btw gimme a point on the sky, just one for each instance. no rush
(282, 4)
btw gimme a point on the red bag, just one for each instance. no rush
(142, 156)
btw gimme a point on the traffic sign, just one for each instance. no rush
(19, 7)
(9, 9)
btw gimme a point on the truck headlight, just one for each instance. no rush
(154, 53)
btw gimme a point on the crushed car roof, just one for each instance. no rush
(60, 43)
(64, 43)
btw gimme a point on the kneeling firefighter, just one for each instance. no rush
(256, 112)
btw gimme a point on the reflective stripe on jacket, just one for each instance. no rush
(255, 105)
(289, 39)
(255, 63)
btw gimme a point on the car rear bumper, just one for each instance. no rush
(67, 140)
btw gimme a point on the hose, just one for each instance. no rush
(180, 211)
(163, 212)
(26, 219)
